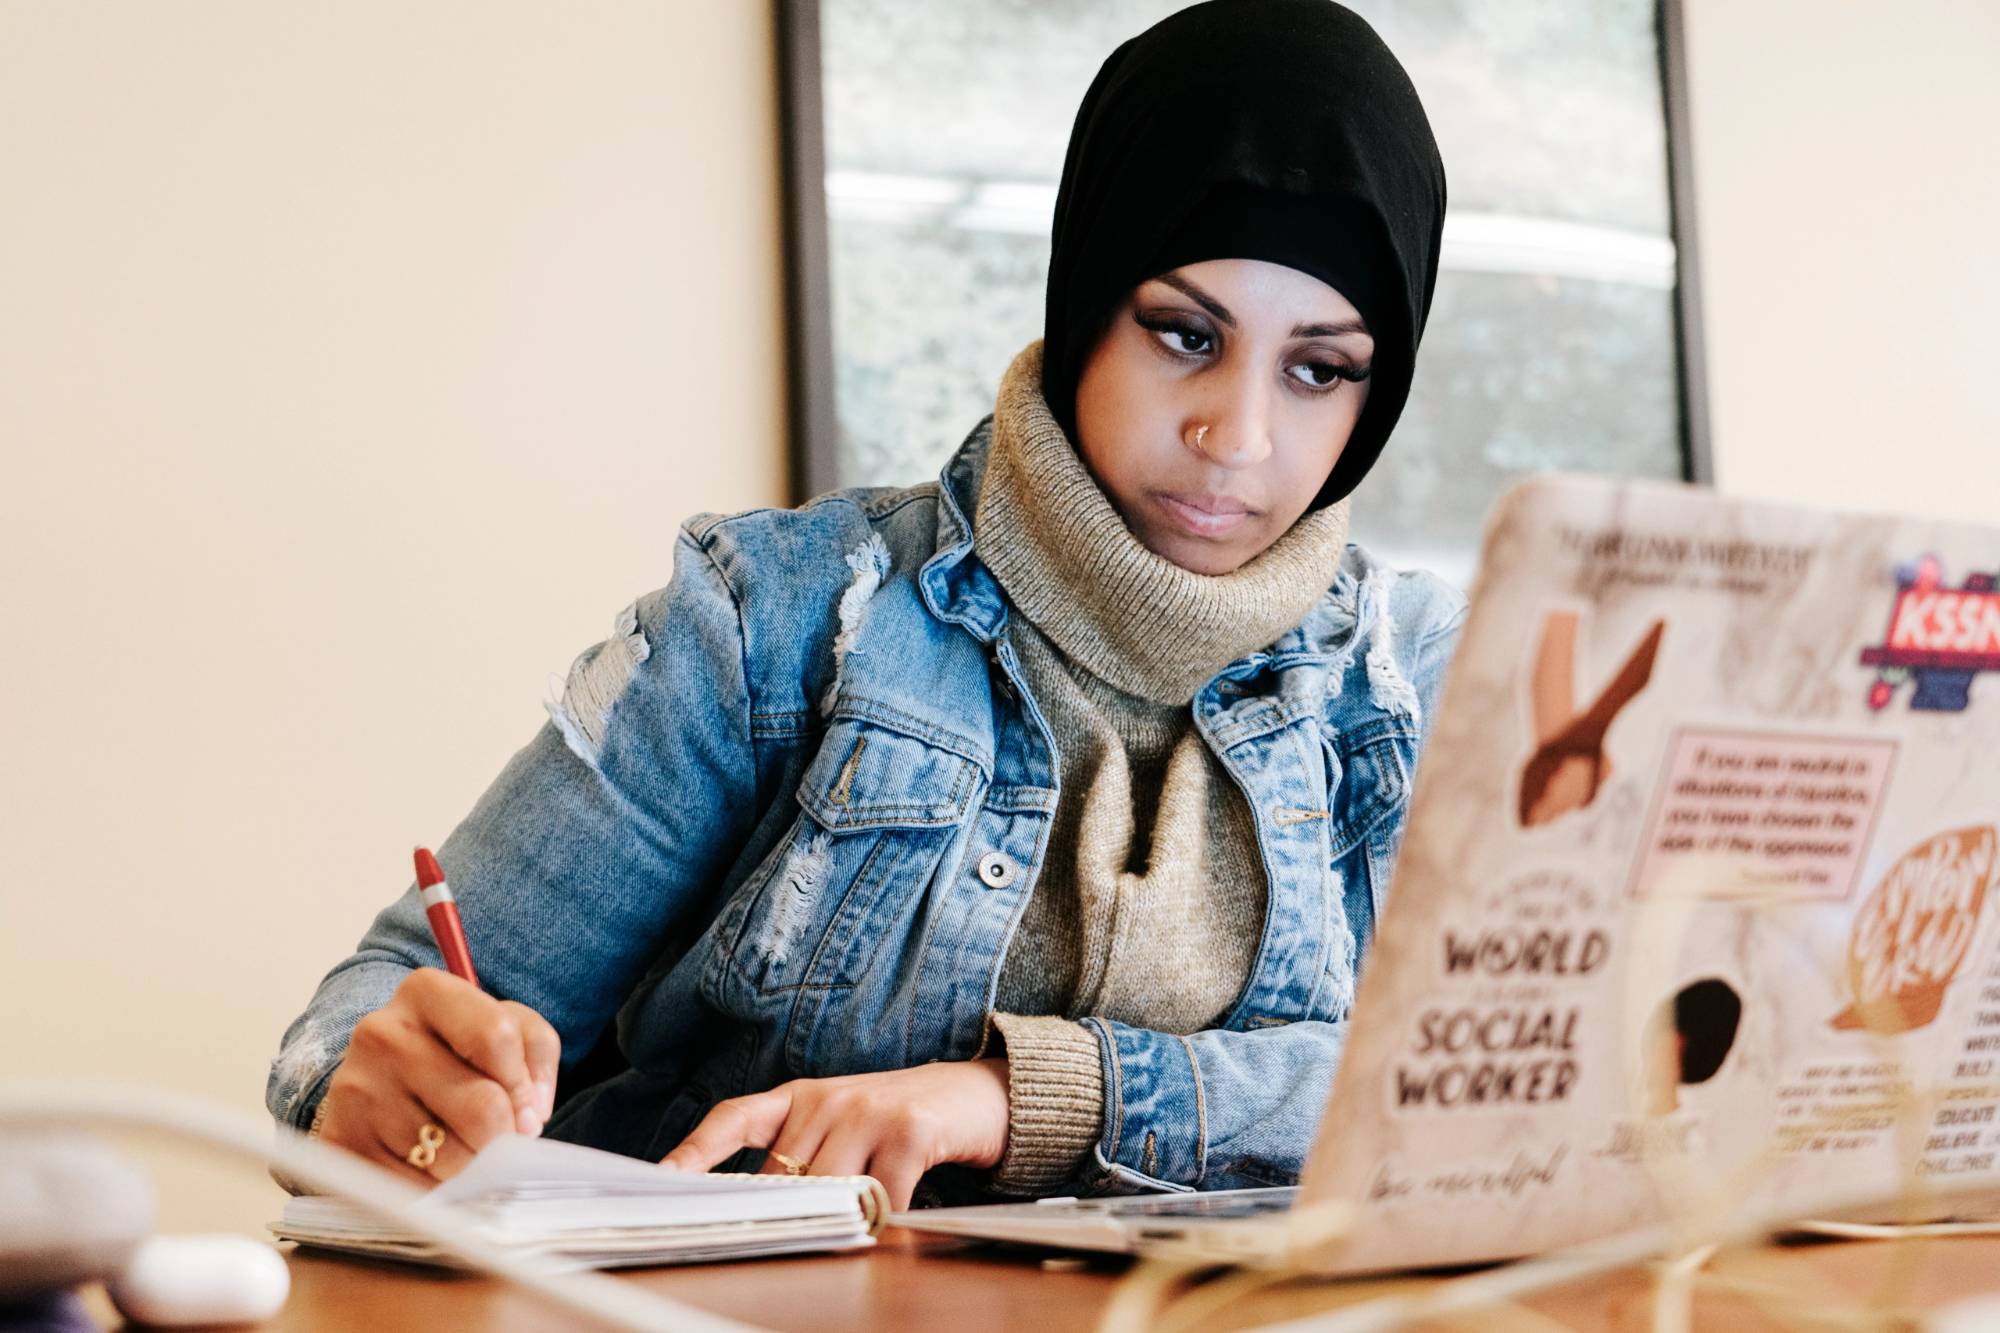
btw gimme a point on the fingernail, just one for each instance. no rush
(527, 1121)
(546, 1091)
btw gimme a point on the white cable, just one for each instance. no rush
(1589, 1259)
(62, 1104)
(1483, 1290)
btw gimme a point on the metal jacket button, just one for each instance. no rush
(996, 871)
(1000, 674)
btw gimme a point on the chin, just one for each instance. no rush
(1197, 557)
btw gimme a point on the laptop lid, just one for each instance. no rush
(1693, 913)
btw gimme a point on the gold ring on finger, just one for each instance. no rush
(793, 1166)
(429, 1139)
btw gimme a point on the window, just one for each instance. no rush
(926, 141)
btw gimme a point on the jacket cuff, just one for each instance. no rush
(1055, 1101)
(287, 1183)
(1157, 1130)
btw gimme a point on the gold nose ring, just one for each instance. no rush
(1200, 434)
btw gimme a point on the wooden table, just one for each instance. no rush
(912, 1281)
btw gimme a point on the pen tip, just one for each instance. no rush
(428, 872)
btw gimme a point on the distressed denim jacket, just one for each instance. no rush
(784, 823)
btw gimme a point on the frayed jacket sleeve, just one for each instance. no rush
(618, 819)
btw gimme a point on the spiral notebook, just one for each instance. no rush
(576, 1207)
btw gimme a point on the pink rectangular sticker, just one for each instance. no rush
(1802, 808)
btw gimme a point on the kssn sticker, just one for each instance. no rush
(1939, 638)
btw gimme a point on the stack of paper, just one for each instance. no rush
(576, 1207)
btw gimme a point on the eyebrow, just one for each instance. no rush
(1221, 312)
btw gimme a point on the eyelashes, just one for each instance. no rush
(1186, 341)
(1167, 331)
(1338, 373)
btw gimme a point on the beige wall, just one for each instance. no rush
(357, 361)
(1848, 192)
(357, 364)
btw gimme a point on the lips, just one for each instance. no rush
(1204, 515)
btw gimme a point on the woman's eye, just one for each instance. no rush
(1185, 339)
(1321, 374)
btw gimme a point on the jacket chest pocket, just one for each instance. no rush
(1369, 786)
(879, 806)
(1369, 800)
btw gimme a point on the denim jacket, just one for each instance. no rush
(784, 822)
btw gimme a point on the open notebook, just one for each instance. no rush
(577, 1207)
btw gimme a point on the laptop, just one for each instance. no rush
(1693, 914)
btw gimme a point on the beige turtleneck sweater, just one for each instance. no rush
(1150, 902)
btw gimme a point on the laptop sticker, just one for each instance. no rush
(1939, 638)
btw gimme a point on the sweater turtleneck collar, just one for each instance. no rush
(1134, 619)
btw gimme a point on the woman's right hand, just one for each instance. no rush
(442, 1051)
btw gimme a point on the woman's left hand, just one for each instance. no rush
(893, 1126)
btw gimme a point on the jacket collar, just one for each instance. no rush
(955, 585)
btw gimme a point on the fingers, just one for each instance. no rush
(365, 1099)
(395, 1145)
(381, 1124)
(799, 1139)
(899, 1174)
(360, 1135)
(441, 1051)
(543, 1049)
(474, 1108)
(740, 1122)
(486, 1033)
(846, 1150)
(894, 1125)
(903, 1152)
(890, 1149)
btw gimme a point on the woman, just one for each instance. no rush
(1033, 821)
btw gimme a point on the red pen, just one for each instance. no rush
(443, 913)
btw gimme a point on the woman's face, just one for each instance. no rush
(1272, 361)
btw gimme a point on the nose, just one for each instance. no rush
(1236, 412)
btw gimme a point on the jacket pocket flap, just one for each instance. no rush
(871, 775)
(1374, 784)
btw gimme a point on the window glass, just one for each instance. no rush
(1551, 342)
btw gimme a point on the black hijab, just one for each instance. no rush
(1254, 129)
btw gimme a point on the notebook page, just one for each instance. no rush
(516, 1165)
